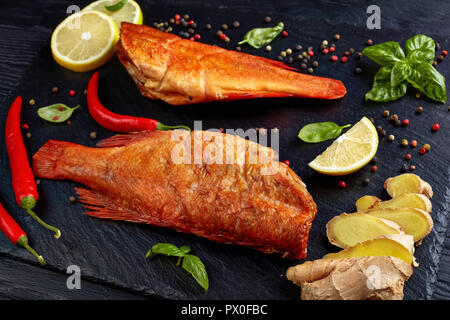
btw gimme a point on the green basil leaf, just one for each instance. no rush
(428, 80)
(185, 249)
(196, 268)
(260, 37)
(117, 6)
(320, 131)
(382, 90)
(400, 72)
(165, 248)
(56, 113)
(420, 48)
(386, 53)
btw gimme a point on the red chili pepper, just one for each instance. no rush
(15, 233)
(22, 177)
(116, 122)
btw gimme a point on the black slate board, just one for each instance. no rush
(113, 252)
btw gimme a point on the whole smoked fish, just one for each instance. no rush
(179, 71)
(135, 178)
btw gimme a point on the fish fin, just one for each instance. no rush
(121, 140)
(105, 208)
(45, 160)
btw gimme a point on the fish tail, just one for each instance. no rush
(45, 160)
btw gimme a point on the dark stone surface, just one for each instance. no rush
(112, 253)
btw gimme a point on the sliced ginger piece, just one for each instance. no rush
(364, 203)
(415, 222)
(358, 278)
(376, 247)
(346, 230)
(407, 183)
(405, 200)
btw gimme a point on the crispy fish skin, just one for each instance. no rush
(179, 71)
(134, 178)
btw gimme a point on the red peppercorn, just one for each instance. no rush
(334, 58)
(344, 59)
(177, 17)
(325, 51)
(422, 150)
(191, 38)
(72, 93)
(287, 162)
(222, 36)
(374, 169)
(413, 143)
(284, 33)
(332, 49)
(197, 37)
(435, 127)
(342, 184)
(407, 156)
(444, 52)
(405, 122)
(190, 22)
(310, 53)
(25, 126)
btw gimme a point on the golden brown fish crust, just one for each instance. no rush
(139, 178)
(178, 71)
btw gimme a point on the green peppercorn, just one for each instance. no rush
(304, 54)
(427, 147)
(32, 102)
(268, 48)
(227, 39)
(391, 137)
(386, 113)
(283, 54)
(288, 51)
(404, 143)
(310, 70)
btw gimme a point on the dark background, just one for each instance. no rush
(25, 30)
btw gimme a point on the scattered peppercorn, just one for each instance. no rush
(283, 54)
(369, 42)
(93, 135)
(288, 51)
(38, 181)
(303, 66)
(28, 135)
(413, 144)
(417, 95)
(419, 110)
(222, 36)
(25, 126)
(365, 181)
(358, 55)
(435, 63)
(287, 162)
(336, 36)
(298, 48)
(422, 150)
(435, 127)
(32, 102)
(315, 64)
(372, 120)
(405, 122)
(224, 27)
(427, 147)
(227, 39)
(219, 33)
(437, 45)
(440, 57)
(404, 168)
(310, 70)
(373, 160)
(344, 59)
(304, 54)
(55, 89)
(284, 33)
(290, 60)
(280, 58)
(310, 53)
(190, 30)
(351, 50)
(324, 42)
(72, 199)
(342, 184)
(267, 19)
(394, 117)
(208, 26)
(325, 51)
(379, 129)
(177, 17)
(398, 123)
(383, 133)
(386, 113)
(374, 169)
(391, 137)
(407, 156)
(236, 24)
(412, 167)
(444, 53)
(332, 49)
(238, 49)
(334, 58)
(172, 20)
(404, 143)
(347, 53)
(358, 70)
(268, 48)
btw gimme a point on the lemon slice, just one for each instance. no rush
(130, 12)
(350, 152)
(84, 41)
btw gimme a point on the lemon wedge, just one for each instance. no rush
(130, 12)
(350, 152)
(84, 41)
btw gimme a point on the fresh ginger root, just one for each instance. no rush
(358, 278)
(366, 202)
(346, 230)
(407, 183)
(415, 222)
(405, 200)
(382, 246)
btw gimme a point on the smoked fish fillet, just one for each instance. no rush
(135, 178)
(179, 71)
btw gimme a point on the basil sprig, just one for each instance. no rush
(56, 113)
(260, 37)
(391, 81)
(117, 6)
(190, 263)
(320, 131)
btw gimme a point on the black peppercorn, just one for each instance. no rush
(358, 55)
(298, 48)
(236, 24)
(267, 19)
(208, 26)
(366, 181)
(369, 42)
(404, 168)
(224, 27)
(419, 110)
(358, 70)
(303, 66)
